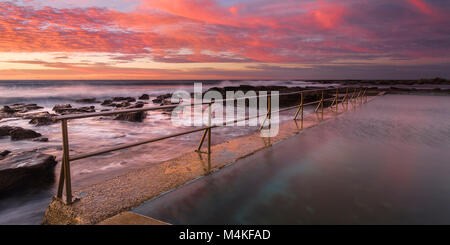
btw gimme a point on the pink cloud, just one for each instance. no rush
(313, 32)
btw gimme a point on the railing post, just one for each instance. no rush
(353, 96)
(361, 96)
(66, 163)
(364, 97)
(267, 113)
(209, 131)
(358, 96)
(301, 102)
(337, 91)
(300, 108)
(201, 140)
(321, 102)
(269, 110)
(346, 96)
(61, 179)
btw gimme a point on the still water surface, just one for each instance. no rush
(385, 163)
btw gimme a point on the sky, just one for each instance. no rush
(224, 39)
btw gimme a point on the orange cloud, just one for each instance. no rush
(422, 6)
(206, 31)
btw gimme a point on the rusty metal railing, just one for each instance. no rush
(65, 176)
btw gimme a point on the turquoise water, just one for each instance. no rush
(385, 163)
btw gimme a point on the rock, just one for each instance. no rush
(61, 107)
(168, 102)
(8, 110)
(21, 134)
(41, 118)
(25, 168)
(106, 102)
(87, 100)
(120, 105)
(144, 97)
(20, 108)
(128, 99)
(41, 121)
(132, 116)
(6, 130)
(161, 98)
(137, 105)
(42, 139)
(3, 154)
(67, 109)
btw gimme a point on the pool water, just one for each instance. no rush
(388, 162)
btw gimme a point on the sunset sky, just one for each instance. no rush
(224, 39)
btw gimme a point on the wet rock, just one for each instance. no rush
(42, 139)
(41, 121)
(87, 100)
(161, 98)
(7, 109)
(168, 102)
(24, 168)
(128, 99)
(3, 154)
(144, 97)
(123, 104)
(20, 108)
(41, 118)
(137, 105)
(18, 133)
(67, 109)
(21, 134)
(5, 130)
(132, 116)
(107, 102)
(61, 107)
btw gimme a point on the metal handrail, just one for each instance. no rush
(153, 108)
(65, 169)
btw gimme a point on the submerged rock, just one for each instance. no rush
(25, 167)
(42, 139)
